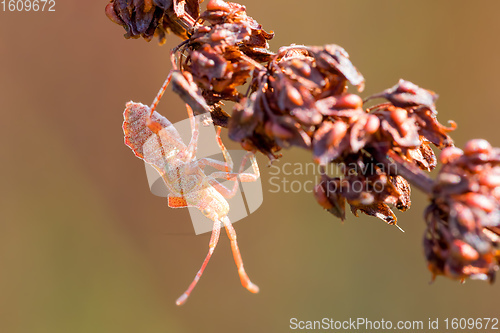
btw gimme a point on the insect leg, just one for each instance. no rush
(193, 144)
(211, 247)
(216, 164)
(225, 153)
(153, 125)
(245, 280)
(244, 177)
(226, 193)
(249, 177)
(226, 166)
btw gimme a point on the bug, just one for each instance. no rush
(155, 140)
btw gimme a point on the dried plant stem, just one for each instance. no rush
(409, 171)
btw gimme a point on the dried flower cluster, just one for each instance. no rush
(463, 220)
(298, 97)
(366, 187)
(405, 126)
(221, 56)
(289, 98)
(149, 18)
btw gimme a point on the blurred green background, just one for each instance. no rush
(85, 247)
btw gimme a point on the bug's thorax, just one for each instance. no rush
(176, 177)
(214, 207)
(191, 183)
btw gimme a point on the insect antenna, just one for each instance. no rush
(161, 92)
(153, 125)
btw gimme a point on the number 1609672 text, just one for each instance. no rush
(28, 5)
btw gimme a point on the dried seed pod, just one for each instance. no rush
(423, 156)
(330, 141)
(349, 101)
(215, 75)
(334, 59)
(326, 195)
(403, 200)
(477, 146)
(255, 45)
(450, 154)
(247, 126)
(406, 94)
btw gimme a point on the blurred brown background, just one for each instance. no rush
(84, 246)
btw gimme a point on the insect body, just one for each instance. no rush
(155, 140)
